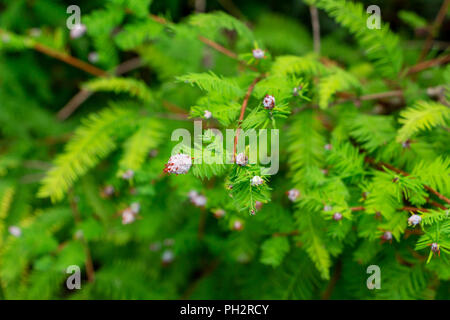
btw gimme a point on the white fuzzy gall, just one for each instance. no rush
(237, 225)
(192, 194)
(93, 57)
(127, 175)
(77, 31)
(219, 213)
(135, 207)
(258, 53)
(207, 114)
(258, 205)
(199, 201)
(435, 247)
(178, 164)
(128, 216)
(167, 256)
(387, 236)
(15, 231)
(414, 219)
(269, 102)
(241, 159)
(256, 181)
(337, 216)
(293, 194)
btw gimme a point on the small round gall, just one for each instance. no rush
(179, 164)
(258, 205)
(167, 257)
(77, 31)
(293, 194)
(15, 231)
(237, 225)
(93, 57)
(269, 102)
(199, 200)
(435, 247)
(337, 216)
(387, 236)
(135, 207)
(258, 53)
(219, 213)
(207, 114)
(241, 159)
(128, 175)
(128, 216)
(414, 220)
(257, 181)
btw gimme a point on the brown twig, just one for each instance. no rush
(316, 28)
(434, 28)
(428, 64)
(70, 60)
(336, 274)
(285, 234)
(73, 104)
(84, 94)
(414, 209)
(380, 165)
(232, 8)
(174, 108)
(244, 106)
(210, 43)
(206, 272)
(218, 47)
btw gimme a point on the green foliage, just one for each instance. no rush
(133, 87)
(91, 143)
(354, 158)
(273, 251)
(380, 45)
(213, 83)
(212, 23)
(422, 116)
(412, 19)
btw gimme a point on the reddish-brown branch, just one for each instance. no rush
(73, 104)
(174, 108)
(434, 28)
(414, 209)
(380, 165)
(334, 279)
(206, 41)
(70, 60)
(84, 94)
(437, 194)
(285, 234)
(428, 64)
(244, 106)
(218, 47)
(209, 43)
(205, 273)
